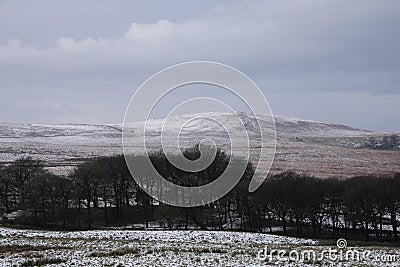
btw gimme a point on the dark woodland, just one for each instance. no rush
(101, 193)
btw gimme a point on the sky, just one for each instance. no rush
(81, 61)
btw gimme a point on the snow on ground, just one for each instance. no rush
(217, 237)
(151, 248)
(138, 248)
(304, 146)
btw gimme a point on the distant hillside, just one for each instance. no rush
(314, 147)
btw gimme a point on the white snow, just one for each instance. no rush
(157, 248)
(302, 145)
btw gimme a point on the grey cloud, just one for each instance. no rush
(108, 49)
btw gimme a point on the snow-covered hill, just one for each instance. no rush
(308, 146)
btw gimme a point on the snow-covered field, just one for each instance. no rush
(153, 248)
(305, 146)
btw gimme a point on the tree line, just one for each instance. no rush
(102, 193)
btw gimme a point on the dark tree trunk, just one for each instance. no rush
(394, 224)
(269, 222)
(186, 218)
(89, 215)
(105, 213)
(284, 224)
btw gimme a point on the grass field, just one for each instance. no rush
(164, 248)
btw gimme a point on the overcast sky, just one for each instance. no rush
(81, 61)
